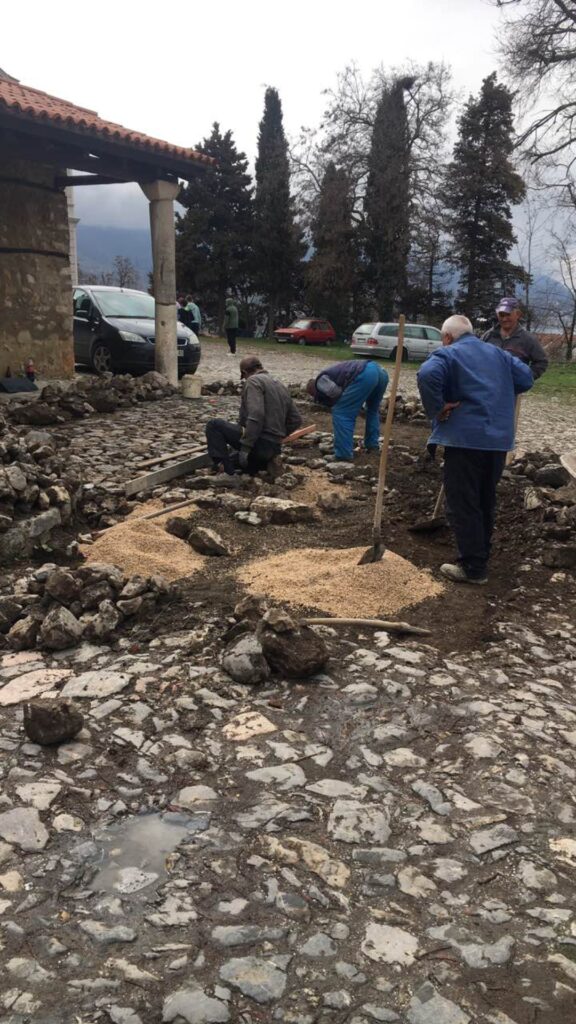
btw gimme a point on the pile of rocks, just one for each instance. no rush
(39, 489)
(222, 387)
(550, 498)
(59, 402)
(271, 641)
(56, 608)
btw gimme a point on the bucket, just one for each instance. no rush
(191, 386)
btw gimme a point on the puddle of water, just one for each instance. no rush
(133, 852)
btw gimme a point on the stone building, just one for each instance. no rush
(42, 140)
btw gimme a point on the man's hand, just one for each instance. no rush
(444, 413)
(243, 458)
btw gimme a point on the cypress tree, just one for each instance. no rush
(331, 271)
(277, 244)
(214, 236)
(387, 202)
(481, 187)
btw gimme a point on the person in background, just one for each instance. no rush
(267, 415)
(469, 390)
(195, 319)
(345, 388)
(510, 336)
(231, 325)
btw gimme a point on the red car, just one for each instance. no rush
(307, 332)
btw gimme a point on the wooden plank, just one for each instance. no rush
(171, 455)
(159, 476)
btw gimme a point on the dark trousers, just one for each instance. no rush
(232, 334)
(470, 481)
(195, 326)
(223, 436)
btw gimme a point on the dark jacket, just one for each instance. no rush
(267, 410)
(485, 380)
(330, 384)
(523, 345)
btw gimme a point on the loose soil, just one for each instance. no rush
(329, 580)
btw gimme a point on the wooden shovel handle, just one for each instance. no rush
(388, 425)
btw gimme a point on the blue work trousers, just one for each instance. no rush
(367, 388)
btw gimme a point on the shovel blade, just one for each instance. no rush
(429, 525)
(373, 554)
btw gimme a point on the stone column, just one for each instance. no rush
(161, 195)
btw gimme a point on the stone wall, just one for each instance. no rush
(35, 286)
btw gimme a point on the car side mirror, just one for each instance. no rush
(82, 314)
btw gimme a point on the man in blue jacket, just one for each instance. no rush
(468, 390)
(345, 388)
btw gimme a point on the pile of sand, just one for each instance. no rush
(331, 580)
(145, 549)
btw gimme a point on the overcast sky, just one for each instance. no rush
(174, 68)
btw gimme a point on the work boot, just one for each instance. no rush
(457, 574)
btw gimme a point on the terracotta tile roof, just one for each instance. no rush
(27, 103)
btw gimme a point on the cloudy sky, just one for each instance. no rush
(172, 69)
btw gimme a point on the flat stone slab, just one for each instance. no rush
(389, 945)
(428, 1007)
(30, 684)
(259, 979)
(354, 822)
(100, 683)
(194, 1006)
(22, 826)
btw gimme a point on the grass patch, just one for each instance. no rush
(559, 381)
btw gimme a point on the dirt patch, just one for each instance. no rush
(144, 548)
(313, 485)
(332, 581)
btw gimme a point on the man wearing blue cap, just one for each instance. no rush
(509, 335)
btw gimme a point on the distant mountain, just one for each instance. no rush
(97, 247)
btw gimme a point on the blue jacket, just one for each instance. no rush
(485, 380)
(330, 384)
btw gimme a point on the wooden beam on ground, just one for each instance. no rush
(197, 449)
(148, 481)
(384, 624)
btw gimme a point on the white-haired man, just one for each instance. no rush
(468, 390)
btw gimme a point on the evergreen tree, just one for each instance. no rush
(214, 237)
(387, 202)
(331, 271)
(481, 187)
(278, 249)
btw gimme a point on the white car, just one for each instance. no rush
(380, 340)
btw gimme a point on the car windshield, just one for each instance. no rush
(301, 325)
(125, 304)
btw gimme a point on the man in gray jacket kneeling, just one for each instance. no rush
(267, 415)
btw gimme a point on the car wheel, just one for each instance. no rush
(302, 341)
(101, 358)
(404, 355)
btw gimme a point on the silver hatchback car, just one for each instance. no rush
(380, 340)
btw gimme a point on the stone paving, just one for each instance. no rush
(391, 840)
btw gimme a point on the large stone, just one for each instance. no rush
(296, 652)
(51, 721)
(62, 586)
(103, 624)
(560, 556)
(10, 610)
(281, 511)
(552, 475)
(485, 840)
(389, 945)
(179, 526)
(195, 1007)
(354, 822)
(245, 661)
(23, 633)
(60, 629)
(428, 1007)
(207, 542)
(256, 978)
(22, 827)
